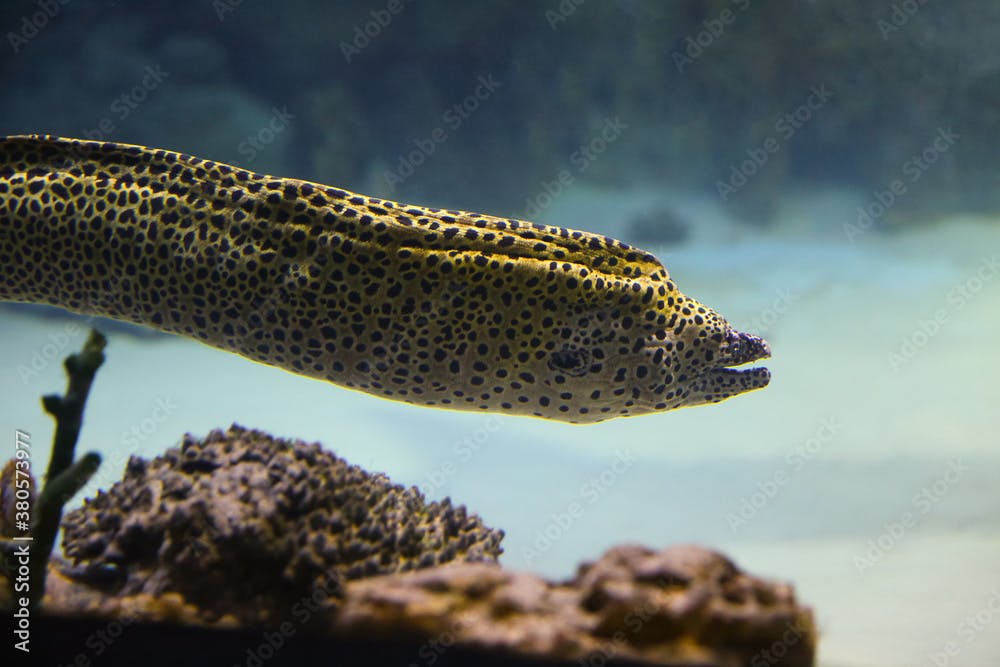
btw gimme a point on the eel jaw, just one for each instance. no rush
(742, 348)
(722, 381)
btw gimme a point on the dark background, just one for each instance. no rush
(698, 84)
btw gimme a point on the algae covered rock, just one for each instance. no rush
(243, 523)
(8, 498)
(683, 605)
(689, 602)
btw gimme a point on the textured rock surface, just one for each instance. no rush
(245, 530)
(679, 606)
(244, 524)
(682, 605)
(8, 487)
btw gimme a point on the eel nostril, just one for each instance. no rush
(742, 347)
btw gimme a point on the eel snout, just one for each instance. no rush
(741, 348)
(722, 380)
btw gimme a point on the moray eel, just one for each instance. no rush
(429, 306)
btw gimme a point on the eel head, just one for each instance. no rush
(654, 356)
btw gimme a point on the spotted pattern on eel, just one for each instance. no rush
(433, 307)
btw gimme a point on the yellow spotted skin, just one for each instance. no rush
(433, 307)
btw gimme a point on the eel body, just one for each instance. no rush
(433, 307)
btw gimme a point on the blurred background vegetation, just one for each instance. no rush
(356, 93)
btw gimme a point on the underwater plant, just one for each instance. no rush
(64, 477)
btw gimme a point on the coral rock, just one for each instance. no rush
(245, 524)
(8, 497)
(682, 605)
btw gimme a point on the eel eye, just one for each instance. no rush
(570, 360)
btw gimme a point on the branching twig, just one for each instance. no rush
(67, 410)
(64, 477)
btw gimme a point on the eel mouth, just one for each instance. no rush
(720, 379)
(742, 348)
